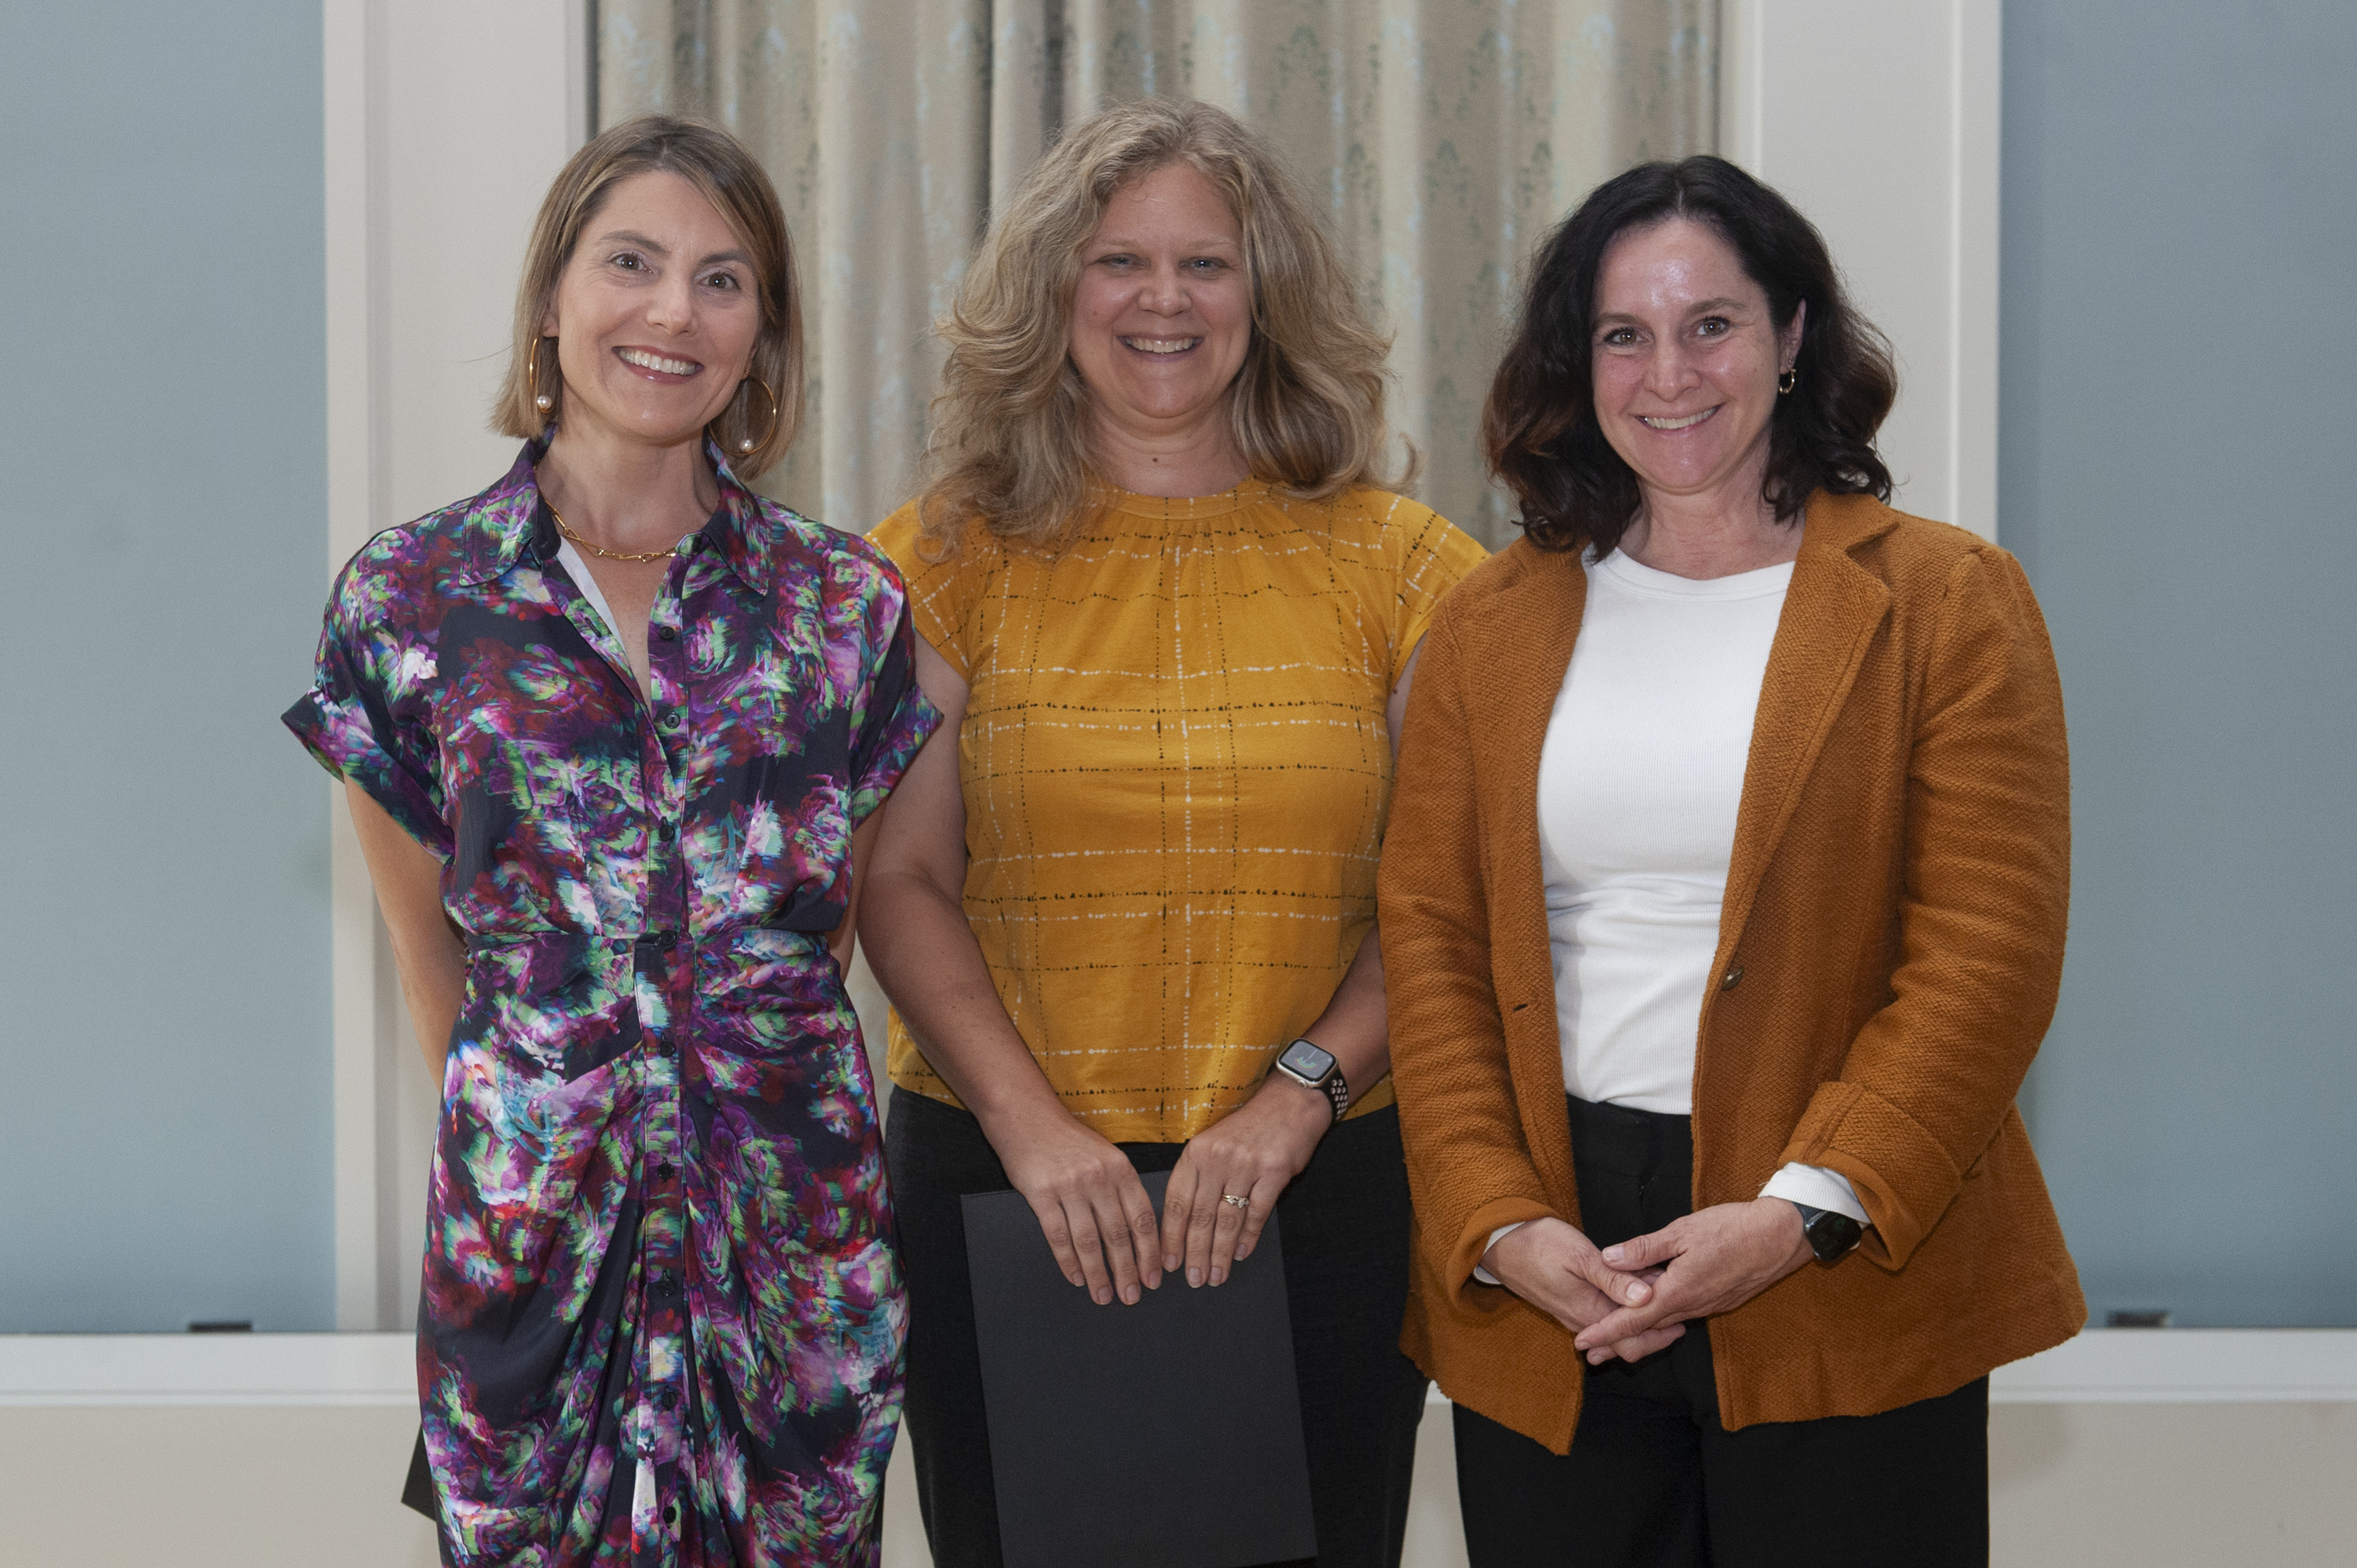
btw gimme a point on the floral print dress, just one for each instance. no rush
(661, 1317)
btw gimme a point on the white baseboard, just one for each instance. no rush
(2102, 1366)
(2182, 1366)
(208, 1368)
(2187, 1366)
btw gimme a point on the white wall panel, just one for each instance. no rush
(1879, 120)
(446, 123)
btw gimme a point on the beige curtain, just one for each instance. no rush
(1444, 134)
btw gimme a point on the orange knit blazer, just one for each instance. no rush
(1888, 955)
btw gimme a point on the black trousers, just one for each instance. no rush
(1345, 1220)
(1652, 1479)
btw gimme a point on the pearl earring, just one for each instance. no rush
(540, 400)
(745, 444)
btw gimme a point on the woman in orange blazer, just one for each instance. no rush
(1723, 910)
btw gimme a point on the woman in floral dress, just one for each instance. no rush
(613, 732)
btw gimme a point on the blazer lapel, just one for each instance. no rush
(1527, 648)
(1831, 612)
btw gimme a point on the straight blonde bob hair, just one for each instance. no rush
(733, 180)
(1010, 438)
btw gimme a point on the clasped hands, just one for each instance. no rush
(1101, 1224)
(1636, 1297)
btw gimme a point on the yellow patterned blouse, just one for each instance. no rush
(1176, 768)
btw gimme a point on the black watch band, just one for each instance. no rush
(1312, 1065)
(1831, 1236)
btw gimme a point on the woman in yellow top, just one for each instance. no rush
(1171, 621)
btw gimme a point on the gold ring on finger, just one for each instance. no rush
(1239, 1202)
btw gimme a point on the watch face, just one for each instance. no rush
(1303, 1060)
(1832, 1235)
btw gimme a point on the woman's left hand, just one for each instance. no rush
(1711, 1261)
(1256, 1150)
(1252, 1152)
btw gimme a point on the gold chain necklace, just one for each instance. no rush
(609, 554)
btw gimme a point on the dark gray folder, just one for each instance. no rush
(1166, 1434)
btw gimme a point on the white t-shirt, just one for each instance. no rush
(1640, 781)
(1639, 785)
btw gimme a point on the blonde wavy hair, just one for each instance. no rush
(1010, 429)
(733, 180)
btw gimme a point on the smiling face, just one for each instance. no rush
(1163, 313)
(655, 315)
(1685, 360)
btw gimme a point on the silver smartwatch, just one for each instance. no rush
(1312, 1064)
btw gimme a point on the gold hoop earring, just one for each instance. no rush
(544, 402)
(745, 444)
(1787, 381)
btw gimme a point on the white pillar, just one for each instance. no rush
(445, 120)
(1880, 120)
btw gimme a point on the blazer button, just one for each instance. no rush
(1732, 978)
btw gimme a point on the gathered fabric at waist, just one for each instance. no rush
(656, 952)
(581, 997)
(731, 959)
(782, 938)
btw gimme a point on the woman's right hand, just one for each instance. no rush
(1093, 1209)
(1559, 1271)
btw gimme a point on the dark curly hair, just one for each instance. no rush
(1539, 427)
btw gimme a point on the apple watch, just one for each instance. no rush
(1314, 1067)
(1830, 1235)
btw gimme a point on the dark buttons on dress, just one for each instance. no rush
(658, 938)
(666, 1170)
(667, 633)
(671, 722)
(1732, 978)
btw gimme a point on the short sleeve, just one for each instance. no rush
(892, 719)
(941, 594)
(364, 718)
(1429, 555)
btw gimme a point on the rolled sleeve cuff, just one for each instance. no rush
(339, 739)
(1904, 1174)
(1484, 1275)
(1488, 1222)
(1816, 1187)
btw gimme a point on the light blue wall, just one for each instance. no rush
(2180, 334)
(165, 1089)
